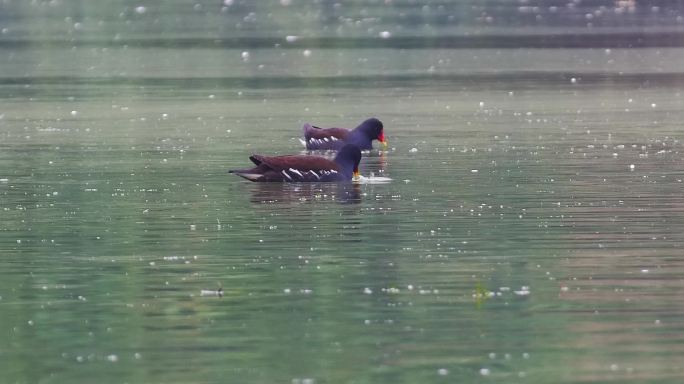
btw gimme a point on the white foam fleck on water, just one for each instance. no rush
(291, 38)
(372, 180)
(385, 34)
(413, 150)
(367, 291)
(306, 53)
(113, 358)
(524, 291)
(485, 371)
(140, 9)
(442, 371)
(303, 381)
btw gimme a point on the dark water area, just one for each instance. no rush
(524, 225)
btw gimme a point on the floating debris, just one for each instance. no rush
(207, 292)
(217, 293)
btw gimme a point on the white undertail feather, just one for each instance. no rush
(250, 176)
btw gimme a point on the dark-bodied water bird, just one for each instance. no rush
(334, 138)
(303, 168)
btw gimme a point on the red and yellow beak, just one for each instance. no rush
(381, 138)
(356, 175)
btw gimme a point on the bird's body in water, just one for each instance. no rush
(316, 138)
(303, 168)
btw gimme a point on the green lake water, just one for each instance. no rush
(532, 231)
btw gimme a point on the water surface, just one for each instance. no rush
(532, 231)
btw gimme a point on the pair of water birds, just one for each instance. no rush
(303, 168)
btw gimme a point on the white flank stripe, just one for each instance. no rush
(285, 174)
(315, 174)
(297, 172)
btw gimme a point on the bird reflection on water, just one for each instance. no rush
(299, 193)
